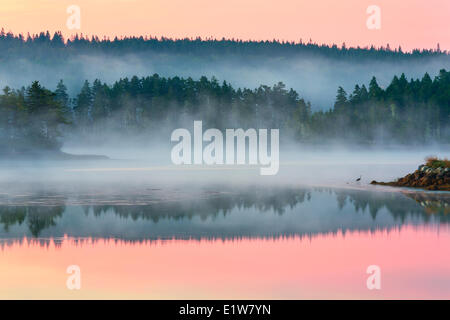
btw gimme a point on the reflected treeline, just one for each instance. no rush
(37, 218)
(433, 203)
(211, 205)
(428, 205)
(255, 211)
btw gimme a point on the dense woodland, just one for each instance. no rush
(45, 47)
(415, 111)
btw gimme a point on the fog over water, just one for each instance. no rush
(299, 165)
(138, 185)
(144, 197)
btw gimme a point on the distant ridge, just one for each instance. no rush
(47, 42)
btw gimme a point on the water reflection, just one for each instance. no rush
(413, 261)
(224, 242)
(230, 213)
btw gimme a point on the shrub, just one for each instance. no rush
(434, 162)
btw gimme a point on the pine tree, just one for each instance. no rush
(63, 98)
(83, 104)
(45, 115)
(341, 100)
(375, 92)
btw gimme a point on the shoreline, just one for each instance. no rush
(426, 177)
(51, 155)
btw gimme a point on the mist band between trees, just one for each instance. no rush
(405, 112)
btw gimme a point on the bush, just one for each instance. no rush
(434, 162)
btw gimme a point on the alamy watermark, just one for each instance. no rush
(374, 280)
(373, 21)
(74, 280)
(215, 153)
(74, 20)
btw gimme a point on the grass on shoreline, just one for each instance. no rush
(434, 162)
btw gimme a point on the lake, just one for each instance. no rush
(149, 231)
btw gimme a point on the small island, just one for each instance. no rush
(433, 175)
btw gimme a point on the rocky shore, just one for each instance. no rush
(426, 177)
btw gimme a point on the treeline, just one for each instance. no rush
(415, 111)
(31, 119)
(277, 200)
(47, 47)
(155, 103)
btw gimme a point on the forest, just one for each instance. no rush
(415, 111)
(313, 70)
(47, 47)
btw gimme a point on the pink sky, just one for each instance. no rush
(411, 24)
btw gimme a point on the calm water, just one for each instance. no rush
(141, 235)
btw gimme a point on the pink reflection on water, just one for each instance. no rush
(414, 263)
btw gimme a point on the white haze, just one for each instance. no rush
(316, 79)
(148, 164)
(145, 169)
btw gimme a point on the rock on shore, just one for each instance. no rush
(424, 177)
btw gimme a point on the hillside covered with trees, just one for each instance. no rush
(313, 70)
(415, 111)
(45, 46)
